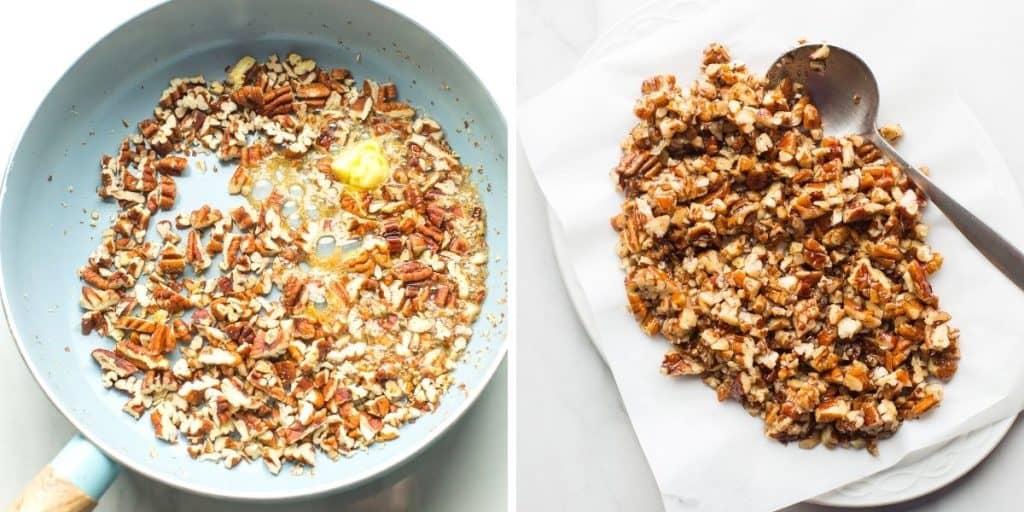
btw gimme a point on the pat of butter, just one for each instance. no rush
(362, 165)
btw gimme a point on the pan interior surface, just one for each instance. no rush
(49, 196)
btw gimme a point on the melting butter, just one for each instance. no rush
(362, 165)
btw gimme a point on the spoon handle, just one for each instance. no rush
(1007, 258)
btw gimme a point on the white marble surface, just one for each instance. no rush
(466, 470)
(575, 447)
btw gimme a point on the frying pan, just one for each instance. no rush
(47, 195)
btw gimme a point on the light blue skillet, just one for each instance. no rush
(45, 236)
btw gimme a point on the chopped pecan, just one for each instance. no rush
(111, 362)
(171, 262)
(412, 271)
(249, 96)
(204, 217)
(278, 101)
(240, 181)
(171, 165)
(113, 281)
(141, 357)
(313, 91)
(98, 300)
(162, 340)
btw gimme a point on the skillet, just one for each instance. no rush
(45, 237)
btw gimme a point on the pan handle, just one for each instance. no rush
(71, 482)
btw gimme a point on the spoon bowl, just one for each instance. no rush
(842, 86)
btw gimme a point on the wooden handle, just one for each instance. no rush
(71, 482)
(50, 492)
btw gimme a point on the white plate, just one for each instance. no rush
(918, 475)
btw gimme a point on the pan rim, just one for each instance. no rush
(169, 479)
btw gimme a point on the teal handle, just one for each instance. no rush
(85, 466)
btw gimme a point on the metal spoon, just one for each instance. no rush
(846, 95)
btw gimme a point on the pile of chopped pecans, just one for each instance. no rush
(788, 268)
(286, 351)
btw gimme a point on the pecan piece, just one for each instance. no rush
(292, 293)
(436, 215)
(412, 271)
(141, 357)
(418, 243)
(194, 253)
(250, 97)
(93, 320)
(216, 356)
(111, 362)
(379, 407)
(133, 323)
(169, 300)
(163, 196)
(312, 91)
(917, 281)
(243, 218)
(162, 340)
(98, 300)
(171, 262)
(240, 181)
(269, 344)
(677, 363)
(113, 281)
(204, 217)
(171, 165)
(278, 101)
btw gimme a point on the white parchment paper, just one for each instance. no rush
(707, 455)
